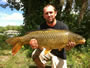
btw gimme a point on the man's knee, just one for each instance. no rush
(35, 57)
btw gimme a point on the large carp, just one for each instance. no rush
(49, 39)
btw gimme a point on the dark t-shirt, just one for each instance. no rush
(59, 25)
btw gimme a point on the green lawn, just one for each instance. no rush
(20, 60)
(75, 59)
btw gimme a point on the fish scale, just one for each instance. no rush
(49, 39)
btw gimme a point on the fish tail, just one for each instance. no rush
(13, 41)
(16, 48)
(16, 42)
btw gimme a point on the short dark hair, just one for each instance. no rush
(50, 5)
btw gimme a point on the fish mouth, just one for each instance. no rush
(82, 41)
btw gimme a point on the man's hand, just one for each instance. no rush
(44, 57)
(70, 45)
(33, 43)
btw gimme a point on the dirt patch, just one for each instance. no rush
(3, 58)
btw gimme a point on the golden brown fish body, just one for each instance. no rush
(49, 39)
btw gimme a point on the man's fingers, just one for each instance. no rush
(33, 43)
(70, 45)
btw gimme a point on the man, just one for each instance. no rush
(58, 57)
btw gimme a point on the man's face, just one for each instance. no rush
(49, 14)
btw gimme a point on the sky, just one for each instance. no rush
(9, 17)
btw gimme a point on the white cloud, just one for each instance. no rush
(8, 17)
(3, 14)
(17, 0)
(12, 19)
(3, 1)
(10, 23)
(6, 0)
(14, 16)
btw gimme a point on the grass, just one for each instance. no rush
(79, 58)
(20, 60)
(76, 58)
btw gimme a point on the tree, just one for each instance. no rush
(73, 14)
(33, 8)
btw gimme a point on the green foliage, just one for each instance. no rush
(2, 40)
(72, 21)
(75, 59)
(19, 61)
(79, 58)
(2, 29)
(33, 14)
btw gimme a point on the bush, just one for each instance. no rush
(79, 58)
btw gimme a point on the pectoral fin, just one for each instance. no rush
(16, 48)
(47, 51)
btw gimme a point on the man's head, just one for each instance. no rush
(49, 13)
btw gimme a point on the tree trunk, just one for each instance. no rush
(83, 9)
